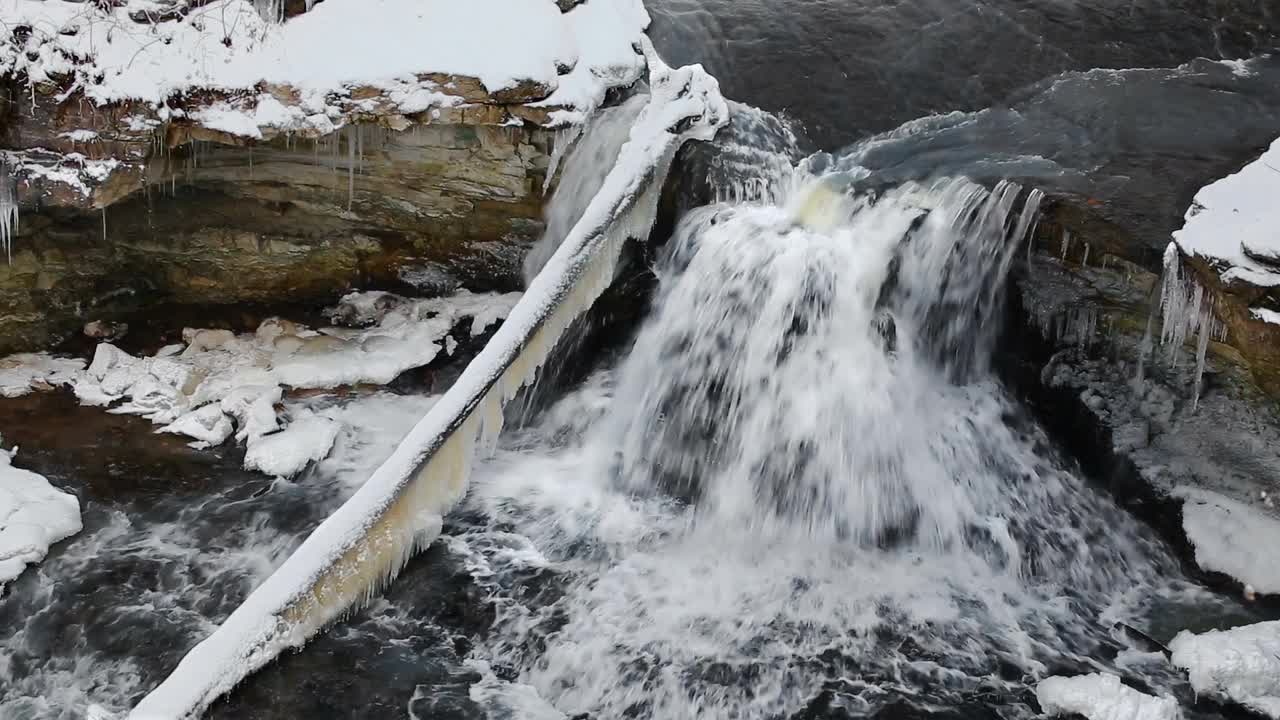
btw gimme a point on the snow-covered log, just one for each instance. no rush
(366, 542)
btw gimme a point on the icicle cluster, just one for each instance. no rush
(1186, 308)
(8, 209)
(366, 542)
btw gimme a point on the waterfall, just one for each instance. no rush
(883, 299)
(802, 485)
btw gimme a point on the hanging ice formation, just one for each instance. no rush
(8, 209)
(365, 543)
(1185, 309)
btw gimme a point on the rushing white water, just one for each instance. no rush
(801, 489)
(584, 156)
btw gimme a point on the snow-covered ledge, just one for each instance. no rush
(131, 77)
(367, 541)
(1230, 248)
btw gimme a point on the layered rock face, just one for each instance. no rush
(197, 153)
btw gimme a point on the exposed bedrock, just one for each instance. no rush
(294, 220)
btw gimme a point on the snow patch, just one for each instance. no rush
(221, 384)
(389, 44)
(1241, 664)
(1102, 696)
(1233, 538)
(1232, 223)
(33, 516)
(25, 372)
(1265, 315)
(307, 439)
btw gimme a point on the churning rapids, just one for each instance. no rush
(800, 490)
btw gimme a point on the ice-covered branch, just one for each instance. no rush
(366, 542)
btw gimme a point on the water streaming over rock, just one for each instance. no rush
(802, 494)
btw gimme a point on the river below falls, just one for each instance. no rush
(582, 579)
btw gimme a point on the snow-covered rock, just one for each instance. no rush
(307, 439)
(405, 51)
(1233, 538)
(1241, 664)
(33, 516)
(221, 383)
(25, 372)
(1232, 223)
(1101, 696)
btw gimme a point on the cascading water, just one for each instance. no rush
(802, 494)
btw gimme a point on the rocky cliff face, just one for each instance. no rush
(296, 220)
(259, 174)
(1161, 370)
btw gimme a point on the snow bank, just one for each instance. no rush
(1102, 696)
(321, 55)
(222, 383)
(366, 542)
(1241, 664)
(1233, 538)
(1232, 223)
(33, 516)
(22, 373)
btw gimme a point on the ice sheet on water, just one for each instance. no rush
(33, 516)
(25, 372)
(222, 382)
(1101, 696)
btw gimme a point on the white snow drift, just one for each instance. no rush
(1241, 664)
(33, 516)
(220, 384)
(25, 372)
(1232, 223)
(340, 44)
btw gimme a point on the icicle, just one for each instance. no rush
(560, 144)
(1202, 348)
(1084, 263)
(8, 209)
(351, 168)
(1066, 243)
